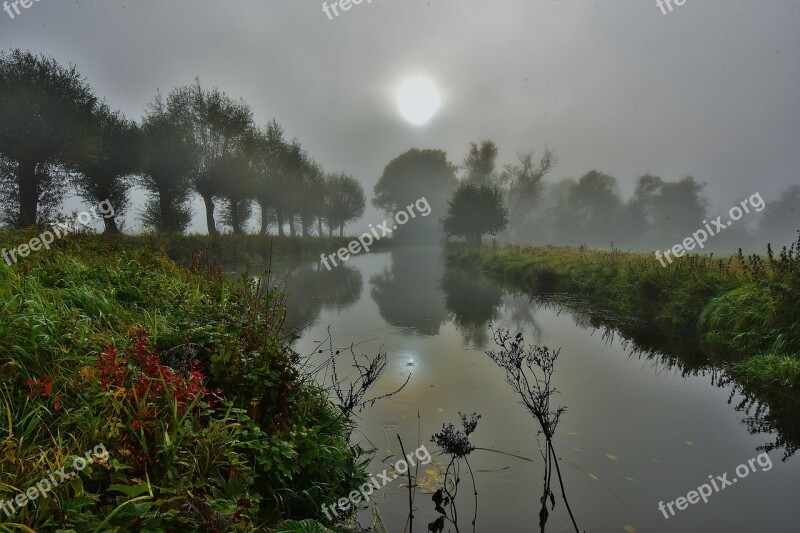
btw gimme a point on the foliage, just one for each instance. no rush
(169, 163)
(475, 210)
(345, 200)
(186, 378)
(742, 307)
(218, 126)
(480, 163)
(45, 113)
(411, 176)
(118, 155)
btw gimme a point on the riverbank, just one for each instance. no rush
(187, 381)
(743, 310)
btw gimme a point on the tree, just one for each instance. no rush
(480, 163)
(312, 183)
(345, 201)
(118, 154)
(268, 158)
(411, 176)
(170, 159)
(218, 126)
(45, 114)
(637, 214)
(524, 183)
(474, 211)
(678, 209)
(289, 188)
(592, 210)
(782, 217)
(239, 189)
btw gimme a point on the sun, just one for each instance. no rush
(418, 100)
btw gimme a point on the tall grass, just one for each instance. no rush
(266, 446)
(744, 308)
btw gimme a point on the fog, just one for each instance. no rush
(709, 90)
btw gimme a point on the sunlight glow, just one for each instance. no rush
(418, 100)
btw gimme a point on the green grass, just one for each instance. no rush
(743, 309)
(273, 448)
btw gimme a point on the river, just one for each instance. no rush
(643, 425)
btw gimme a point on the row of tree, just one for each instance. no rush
(517, 204)
(55, 134)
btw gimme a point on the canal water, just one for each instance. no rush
(647, 421)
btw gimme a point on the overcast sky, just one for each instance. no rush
(710, 89)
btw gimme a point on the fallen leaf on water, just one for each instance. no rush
(440, 409)
(629, 478)
(431, 472)
(655, 460)
(612, 457)
(592, 476)
(577, 449)
(629, 528)
(572, 434)
(690, 443)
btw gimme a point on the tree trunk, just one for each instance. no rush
(264, 219)
(279, 214)
(292, 228)
(210, 222)
(319, 226)
(110, 223)
(166, 223)
(236, 221)
(341, 229)
(28, 194)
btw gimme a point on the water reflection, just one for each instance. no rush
(310, 288)
(472, 305)
(635, 433)
(767, 411)
(407, 295)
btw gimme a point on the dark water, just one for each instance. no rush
(641, 427)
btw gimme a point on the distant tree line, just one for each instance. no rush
(56, 134)
(517, 204)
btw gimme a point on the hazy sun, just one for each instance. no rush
(418, 100)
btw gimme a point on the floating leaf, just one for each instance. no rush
(689, 443)
(612, 457)
(629, 478)
(592, 476)
(629, 528)
(440, 409)
(572, 434)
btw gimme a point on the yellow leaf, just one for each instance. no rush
(690, 443)
(655, 460)
(572, 434)
(612, 457)
(629, 528)
(592, 476)
(629, 478)
(431, 472)
(440, 409)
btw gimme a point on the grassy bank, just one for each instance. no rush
(743, 309)
(236, 249)
(186, 380)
